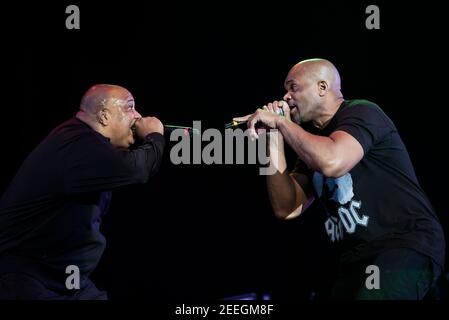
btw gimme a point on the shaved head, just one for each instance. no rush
(110, 110)
(313, 91)
(318, 70)
(100, 95)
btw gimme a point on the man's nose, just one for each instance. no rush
(287, 96)
(137, 115)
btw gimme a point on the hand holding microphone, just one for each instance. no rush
(268, 116)
(146, 125)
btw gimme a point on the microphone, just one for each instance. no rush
(168, 129)
(234, 124)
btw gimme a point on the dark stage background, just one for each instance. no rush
(207, 231)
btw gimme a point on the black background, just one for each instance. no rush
(207, 231)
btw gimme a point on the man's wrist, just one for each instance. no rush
(280, 122)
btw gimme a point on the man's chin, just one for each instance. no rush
(296, 118)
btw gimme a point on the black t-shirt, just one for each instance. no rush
(379, 203)
(51, 212)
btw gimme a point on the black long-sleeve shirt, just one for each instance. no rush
(51, 213)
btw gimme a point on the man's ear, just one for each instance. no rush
(322, 88)
(103, 117)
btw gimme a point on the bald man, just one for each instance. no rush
(354, 163)
(51, 212)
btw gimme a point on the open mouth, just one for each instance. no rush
(133, 130)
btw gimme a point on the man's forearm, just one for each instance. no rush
(145, 161)
(281, 190)
(317, 152)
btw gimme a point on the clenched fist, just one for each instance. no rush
(145, 126)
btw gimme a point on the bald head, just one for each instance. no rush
(313, 91)
(100, 95)
(110, 110)
(316, 70)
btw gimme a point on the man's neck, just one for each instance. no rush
(84, 117)
(327, 114)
